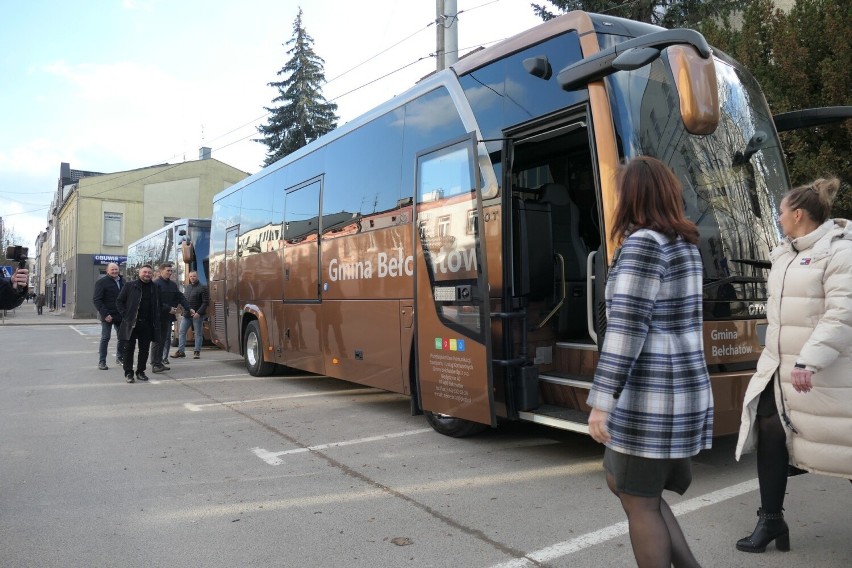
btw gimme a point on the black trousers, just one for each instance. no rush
(772, 455)
(142, 333)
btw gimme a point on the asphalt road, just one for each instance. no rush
(208, 466)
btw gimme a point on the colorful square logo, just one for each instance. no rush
(438, 343)
(454, 345)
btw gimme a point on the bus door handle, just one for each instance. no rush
(460, 293)
(590, 293)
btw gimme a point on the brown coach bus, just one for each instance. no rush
(452, 244)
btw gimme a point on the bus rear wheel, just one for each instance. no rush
(454, 427)
(253, 352)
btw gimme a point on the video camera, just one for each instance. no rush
(18, 254)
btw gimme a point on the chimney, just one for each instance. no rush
(204, 153)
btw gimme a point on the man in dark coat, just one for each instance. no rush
(106, 292)
(170, 298)
(39, 302)
(139, 306)
(13, 290)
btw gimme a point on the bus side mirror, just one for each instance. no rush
(187, 252)
(697, 89)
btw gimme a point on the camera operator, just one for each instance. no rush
(13, 290)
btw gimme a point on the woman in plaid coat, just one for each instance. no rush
(651, 401)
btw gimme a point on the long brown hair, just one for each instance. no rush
(650, 197)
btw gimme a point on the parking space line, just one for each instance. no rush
(87, 330)
(198, 407)
(618, 529)
(274, 458)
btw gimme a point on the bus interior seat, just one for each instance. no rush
(568, 242)
(533, 246)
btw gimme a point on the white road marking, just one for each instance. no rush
(273, 458)
(618, 529)
(87, 330)
(198, 407)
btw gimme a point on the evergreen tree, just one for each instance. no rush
(666, 13)
(801, 60)
(302, 114)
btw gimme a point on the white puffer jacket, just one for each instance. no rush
(810, 322)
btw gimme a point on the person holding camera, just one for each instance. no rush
(13, 290)
(106, 293)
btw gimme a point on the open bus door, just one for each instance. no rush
(453, 333)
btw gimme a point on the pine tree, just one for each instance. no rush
(302, 114)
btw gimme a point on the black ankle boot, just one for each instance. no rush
(770, 526)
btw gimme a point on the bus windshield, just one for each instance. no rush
(201, 241)
(732, 178)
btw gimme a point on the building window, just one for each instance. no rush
(112, 229)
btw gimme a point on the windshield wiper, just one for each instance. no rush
(734, 280)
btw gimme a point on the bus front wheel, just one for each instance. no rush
(253, 352)
(454, 427)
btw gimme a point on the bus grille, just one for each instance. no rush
(219, 319)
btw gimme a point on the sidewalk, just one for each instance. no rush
(26, 314)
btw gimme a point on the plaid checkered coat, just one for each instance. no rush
(652, 377)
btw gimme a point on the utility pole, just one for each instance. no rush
(447, 32)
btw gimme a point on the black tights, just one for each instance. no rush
(772, 460)
(655, 534)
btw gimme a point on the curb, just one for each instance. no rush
(15, 319)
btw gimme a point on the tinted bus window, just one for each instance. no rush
(256, 216)
(429, 120)
(226, 213)
(301, 213)
(503, 93)
(359, 182)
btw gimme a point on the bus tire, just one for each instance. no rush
(453, 427)
(253, 352)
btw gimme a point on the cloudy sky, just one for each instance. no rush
(114, 85)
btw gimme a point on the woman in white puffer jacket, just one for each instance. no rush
(798, 405)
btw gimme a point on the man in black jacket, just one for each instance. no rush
(13, 290)
(139, 306)
(106, 292)
(198, 298)
(170, 298)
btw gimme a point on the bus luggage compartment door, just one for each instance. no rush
(451, 291)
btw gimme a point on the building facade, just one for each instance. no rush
(97, 216)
